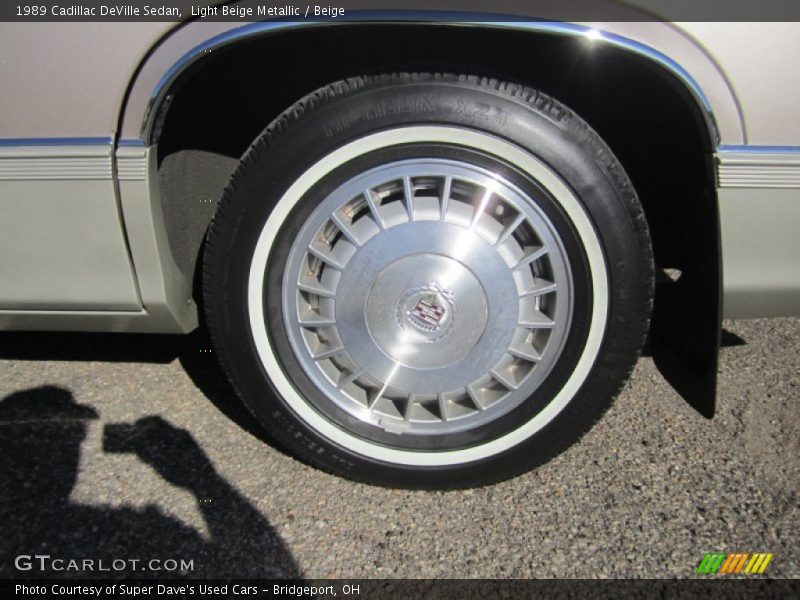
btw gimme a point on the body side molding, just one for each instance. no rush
(759, 208)
(64, 256)
(61, 239)
(758, 167)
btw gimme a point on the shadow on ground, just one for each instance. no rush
(191, 350)
(727, 339)
(41, 432)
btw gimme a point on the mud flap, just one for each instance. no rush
(687, 319)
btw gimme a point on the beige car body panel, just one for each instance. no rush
(83, 244)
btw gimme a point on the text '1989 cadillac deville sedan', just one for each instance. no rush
(429, 247)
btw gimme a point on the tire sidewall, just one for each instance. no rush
(530, 121)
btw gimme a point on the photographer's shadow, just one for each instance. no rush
(41, 432)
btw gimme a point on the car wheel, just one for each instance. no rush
(428, 280)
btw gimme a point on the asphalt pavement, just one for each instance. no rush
(133, 447)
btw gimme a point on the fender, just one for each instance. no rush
(185, 46)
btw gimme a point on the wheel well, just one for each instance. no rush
(643, 113)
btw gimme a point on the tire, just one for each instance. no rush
(428, 280)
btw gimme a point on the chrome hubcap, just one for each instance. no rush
(422, 326)
(427, 296)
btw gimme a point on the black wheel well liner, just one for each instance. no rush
(648, 118)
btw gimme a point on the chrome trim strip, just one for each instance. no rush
(51, 161)
(31, 159)
(132, 162)
(758, 167)
(760, 149)
(76, 141)
(131, 142)
(457, 19)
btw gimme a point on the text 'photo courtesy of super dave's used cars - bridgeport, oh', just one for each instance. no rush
(429, 246)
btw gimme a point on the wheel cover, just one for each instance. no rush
(427, 296)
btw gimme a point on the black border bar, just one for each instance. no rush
(712, 588)
(41, 11)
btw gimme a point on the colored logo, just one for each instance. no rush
(732, 564)
(429, 308)
(426, 314)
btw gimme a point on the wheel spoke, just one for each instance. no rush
(325, 256)
(473, 395)
(503, 379)
(532, 254)
(446, 189)
(373, 397)
(510, 229)
(442, 407)
(373, 208)
(315, 320)
(409, 405)
(314, 286)
(349, 378)
(346, 230)
(536, 319)
(525, 351)
(487, 195)
(540, 286)
(329, 352)
(408, 195)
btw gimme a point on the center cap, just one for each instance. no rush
(430, 308)
(426, 311)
